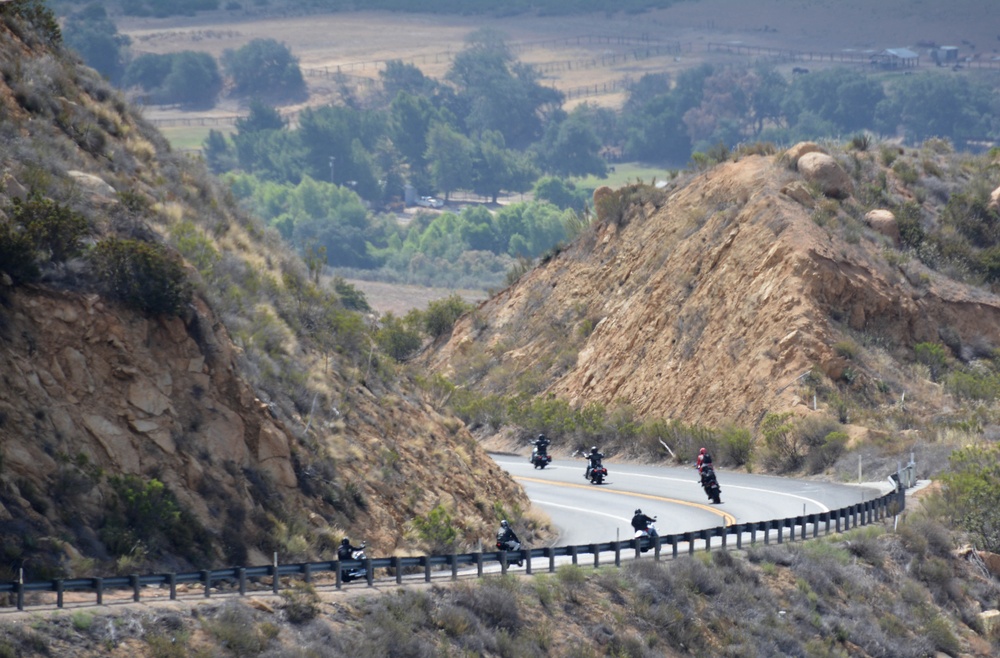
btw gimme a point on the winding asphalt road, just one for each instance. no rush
(586, 513)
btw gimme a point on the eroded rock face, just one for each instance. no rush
(711, 306)
(82, 381)
(995, 199)
(823, 171)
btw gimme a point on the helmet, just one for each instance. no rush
(345, 542)
(503, 524)
(702, 451)
(593, 449)
(541, 437)
(638, 511)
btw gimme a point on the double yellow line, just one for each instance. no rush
(728, 519)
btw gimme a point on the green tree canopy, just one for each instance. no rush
(265, 69)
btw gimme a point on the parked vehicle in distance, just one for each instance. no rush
(430, 202)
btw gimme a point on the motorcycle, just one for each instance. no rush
(355, 573)
(540, 459)
(510, 546)
(596, 473)
(648, 534)
(711, 485)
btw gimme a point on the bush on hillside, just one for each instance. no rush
(143, 275)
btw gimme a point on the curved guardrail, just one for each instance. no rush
(859, 514)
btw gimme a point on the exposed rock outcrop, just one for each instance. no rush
(824, 172)
(710, 307)
(884, 222)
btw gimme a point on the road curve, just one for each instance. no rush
(586, 513)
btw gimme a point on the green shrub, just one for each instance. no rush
(53, 227)
(932, 355)
(972, 493)
(300, 602)
(144, 276)
(17, 253)
(737, 446)
(436, 530)
(441, 315)
(398, 337)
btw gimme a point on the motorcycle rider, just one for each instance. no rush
(595, 458)
(541, 447)
(640, 522)
(345, 551)
(506, 538)
(704, 461)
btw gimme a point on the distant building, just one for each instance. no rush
(896, 58)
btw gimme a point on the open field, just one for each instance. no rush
(573, 52)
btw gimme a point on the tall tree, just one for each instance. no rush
(501, 93)
(450, 157)
(265, 69)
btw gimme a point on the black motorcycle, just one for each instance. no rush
(596, 473)
(354, 573)
(540, 459)
(711, 485)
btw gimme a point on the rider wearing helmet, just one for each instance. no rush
(704, 461)
(541, 446)
(641, 522)
(594, 458)
(346, 551)
(505, 534)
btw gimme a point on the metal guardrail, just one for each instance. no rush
(859, 514)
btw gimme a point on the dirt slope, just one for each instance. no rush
(707, 303)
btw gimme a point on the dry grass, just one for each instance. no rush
(357, 41)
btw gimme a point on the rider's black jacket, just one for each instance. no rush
(641, 521)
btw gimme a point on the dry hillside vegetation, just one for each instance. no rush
(868, 593)
(177, 390)
(743, 292)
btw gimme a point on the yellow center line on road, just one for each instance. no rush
(728, 518)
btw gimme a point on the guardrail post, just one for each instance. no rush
(707, 536)
(597, 555)
(172, 581)
(59, 593)
(369, 572)
(725, 537)
(206, 577)
(618, 553)
(242, 575)
(551, 555)
(99, 588)
(427, 568)
(454, 566)
(307, 572)
(478, 558)
(572, 554)
(526, 552)
(753, 533)
(739, 535)
(781, 532)
(134, 582)
(19, 590)
(397, 569)
(656, 548)
(837, 519)
(690, 540)
(339, 579)
(274, 578)
(503, 563)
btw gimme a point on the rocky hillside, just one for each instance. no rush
(757, 286)
(177, 387)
